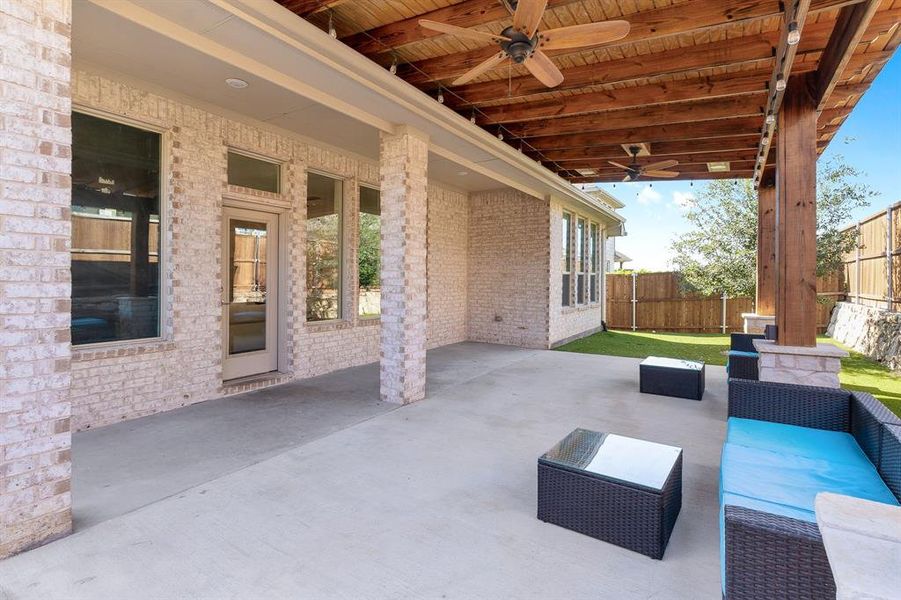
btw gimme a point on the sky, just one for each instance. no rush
(869, 140)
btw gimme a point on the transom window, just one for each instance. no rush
(324, 247)
(115, 231)
(254, 173)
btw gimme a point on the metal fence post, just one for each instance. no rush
(634, 299)
(724, 297)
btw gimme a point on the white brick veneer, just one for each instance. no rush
(134, 379)
(508, 268)
(403, 170)
(567, 322)
(35, 233)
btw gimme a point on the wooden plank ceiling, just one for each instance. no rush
(691, 80)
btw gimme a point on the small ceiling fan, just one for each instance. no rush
(523, 42)
(635, 170)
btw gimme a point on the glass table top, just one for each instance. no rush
(672, 363)
(611, 456)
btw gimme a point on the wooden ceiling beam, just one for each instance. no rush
(782, 70)
(662, 150)
(849, 29)
(736, 127)
(666, 114)
(742, 156)
(646, 25)
(305, 8)
(469, 13)
(724, 53)
(728, 84)
(610, 178)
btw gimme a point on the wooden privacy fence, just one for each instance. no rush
(655, 301)
(872, 272)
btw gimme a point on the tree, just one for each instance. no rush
(720, 253)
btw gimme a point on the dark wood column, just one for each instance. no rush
(766, 247)
(796, 293)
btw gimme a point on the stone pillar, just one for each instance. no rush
(403, 163)
(796, 215)
(35, 274)
(818, 365)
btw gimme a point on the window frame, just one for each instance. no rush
(262, 158)
(377, 317)
(568, 260)
(165, 241)
(581, 260)
(594, 262)
(342, 246)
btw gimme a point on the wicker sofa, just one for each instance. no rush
(785, 444)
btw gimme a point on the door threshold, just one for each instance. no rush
(252, 382)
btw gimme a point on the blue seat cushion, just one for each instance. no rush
(779, 469)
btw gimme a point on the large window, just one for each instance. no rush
(594, 258)
(369, 252)
(567, 260)
(324, 251)
(115, 231)
(581, 261)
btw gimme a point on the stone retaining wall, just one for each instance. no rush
(868, 330)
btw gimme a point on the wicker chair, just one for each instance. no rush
(773, 556)
(743, 358)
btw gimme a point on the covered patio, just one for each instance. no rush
(431, 500)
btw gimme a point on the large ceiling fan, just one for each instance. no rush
(523, 42)
(635, 170)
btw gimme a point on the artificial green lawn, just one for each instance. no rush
(858, 371)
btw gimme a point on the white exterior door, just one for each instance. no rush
(249, 292)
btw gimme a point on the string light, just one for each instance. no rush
(331, 27)
(472, 118)
(780, 83)
(500, 135)
(440, 96)
(393, 68)
(794, 34)
(770, 118)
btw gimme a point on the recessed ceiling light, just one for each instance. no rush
(238, 84)
(718, 167)
(462, 173)
(586, 172)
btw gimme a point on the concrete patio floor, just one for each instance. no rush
(315, 489)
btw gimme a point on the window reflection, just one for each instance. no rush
(247, 288)
(115, 231)
(324, 226)
(369, 252)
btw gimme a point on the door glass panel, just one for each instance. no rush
(247, 286)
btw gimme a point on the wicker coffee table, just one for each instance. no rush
(621, 490)
(671, 377)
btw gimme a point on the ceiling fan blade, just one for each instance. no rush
(579, 36)
(528, 16)
(619, 166)
(664, 174)
(660, 166)
(461, 32)
(482, 67)
(544, 69)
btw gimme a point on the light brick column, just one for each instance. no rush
(35, 199)
(403, 168)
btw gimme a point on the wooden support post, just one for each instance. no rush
(796, 254)
(766, 248)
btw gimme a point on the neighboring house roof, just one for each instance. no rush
(620, 257)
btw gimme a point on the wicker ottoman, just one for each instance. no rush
(621, 490)
(671, 377)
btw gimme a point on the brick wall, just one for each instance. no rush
(35, 167)
(447, 265)
(508, 269)
(140, 378)
(569, 322)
